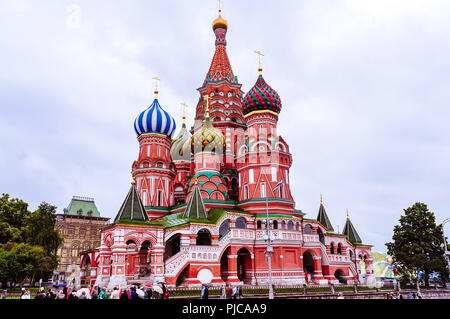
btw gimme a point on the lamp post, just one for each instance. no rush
(267, 237)
(446, 252)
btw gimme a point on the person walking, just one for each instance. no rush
(124, 295)
(133, 294)
(115, 294)
(234, 293)
(40, 294)
(94, 293)
(223, 292)
(61, 295)
(205, 292)
(83, 295)
(240, 292)
(102, 294)
(419, 294)
(229, 292)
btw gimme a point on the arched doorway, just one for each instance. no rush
(87, 271)
(144, 258)
(224, 264)
(182, 277)
(340, 275)
(308, 265)
(244, 265)
(131, 258)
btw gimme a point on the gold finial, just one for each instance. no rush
(156, 86)
(196, 180)
(206, 97)
(220, 22)
(184, 112)
(133, 180)
(348, 216)
(321, 201)
(259, 53)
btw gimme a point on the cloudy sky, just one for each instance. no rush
(365, 87)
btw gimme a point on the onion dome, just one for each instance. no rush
(181, 145)
(220, 22)
(155, 120)
(208, 139)
(262, 98)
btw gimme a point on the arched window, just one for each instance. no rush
(258, 224)
(332, 248)
(283, 224)
(308, 229)
(224, 228)
(241, 223)
(203, 238)
(321, 236)
(275, 224)
(246, 192)
(297, 226)
(290, 225)
(339, 249)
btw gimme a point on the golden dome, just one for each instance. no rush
(220, 22)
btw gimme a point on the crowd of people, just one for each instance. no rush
(410, 295)
(95, 292)
(226, 292)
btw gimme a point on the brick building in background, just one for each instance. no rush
(80, 227)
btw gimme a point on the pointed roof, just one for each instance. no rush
(132, 207)
(322, 217)
(195, 208)
(350, 232)
(220, 68)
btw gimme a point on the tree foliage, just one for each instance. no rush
(417, 244)
(28, 241)
(40, 228)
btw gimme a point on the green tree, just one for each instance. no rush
(418, 244)
(9, 233)
(21, 262)
(13, 211)
(40, 229)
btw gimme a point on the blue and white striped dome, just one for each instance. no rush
(155, 120)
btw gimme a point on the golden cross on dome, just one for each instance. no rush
(206, 97)
(156, 85)
(259, 53)
(184, 111)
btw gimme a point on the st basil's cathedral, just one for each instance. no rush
(201, 201)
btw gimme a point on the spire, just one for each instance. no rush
(195, 208)
(350, 231)
(220, 68)
(132, 207)
(322, 217)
